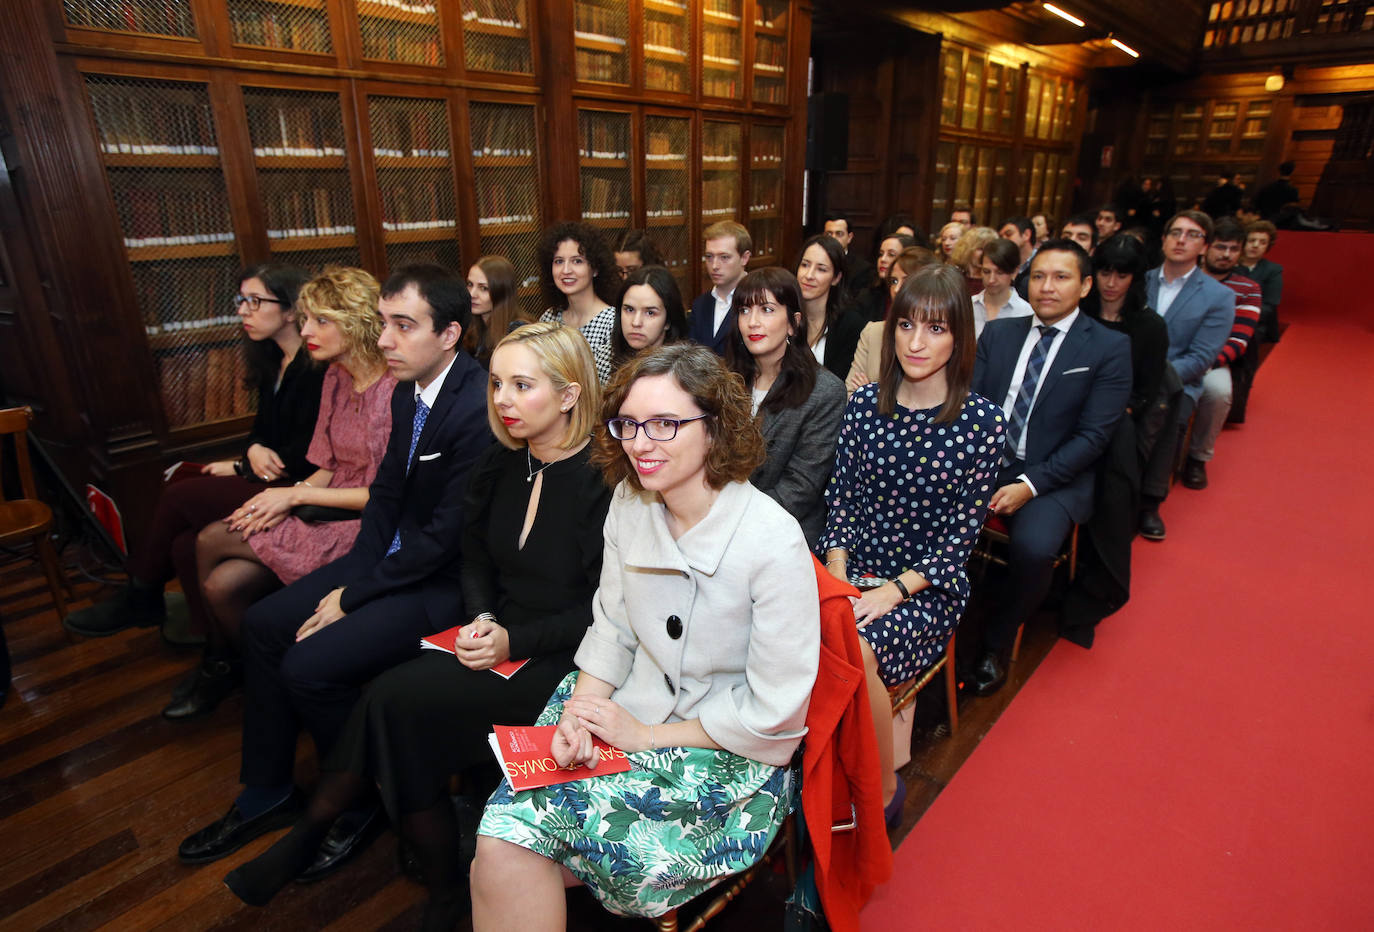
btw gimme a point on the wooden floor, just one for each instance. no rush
(97, 790)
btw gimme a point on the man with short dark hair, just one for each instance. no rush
(1199, 312)
(1108, 221)
(861, 272)
(1214, 404)
(1064, 381)
(1082, 229)
(1278, 194)
(1020, 231)
(728, 246)
(309, 648)
(1225, 199)
(961, 214)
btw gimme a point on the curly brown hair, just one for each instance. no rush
(737, 447)
(347, 297)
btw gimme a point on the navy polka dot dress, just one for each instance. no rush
(910, 494)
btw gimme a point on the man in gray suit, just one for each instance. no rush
(1199, 311)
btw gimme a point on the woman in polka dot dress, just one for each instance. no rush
(917, 456)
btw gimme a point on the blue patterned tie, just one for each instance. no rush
(421, 415)
(1020, 412)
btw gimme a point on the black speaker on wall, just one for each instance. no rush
(827, 132)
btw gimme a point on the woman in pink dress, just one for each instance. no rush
(281, 534)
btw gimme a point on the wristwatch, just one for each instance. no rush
(901, 587)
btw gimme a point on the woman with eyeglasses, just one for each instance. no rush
(699, 664)
(264, 543)
(580, 281)
(288, 389)
(798, 402)
(532, 551)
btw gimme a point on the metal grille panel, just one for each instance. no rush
(302, 167)
(668, 192)
(720, 171)
(601, 33)
(765, 189)
(162, 162)
(604, 159)
(667, 46)
(413, 153)
(299, 26)
(506, 186)
(153, 17)
(405, 31)
(722, 66)
(496, 36)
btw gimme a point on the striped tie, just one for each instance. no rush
(1020, 412)
(421, 415)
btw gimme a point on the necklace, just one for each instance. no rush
(529, 465)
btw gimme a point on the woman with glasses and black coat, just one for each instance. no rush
(288, 386)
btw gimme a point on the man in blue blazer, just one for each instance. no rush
(1199, 311)
(728, 245)
(310, 647)
(1064, 381)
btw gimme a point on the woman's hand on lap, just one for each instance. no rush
(875, 603)
(488, 645)
(608, 721)
(262, 511)
(265, 463)
(220, 468)
(572, 743)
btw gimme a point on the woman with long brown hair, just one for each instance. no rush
(495, 306)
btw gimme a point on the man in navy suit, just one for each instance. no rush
(1199, 311)
(1064, 381)
(310, 647)
(727, 255)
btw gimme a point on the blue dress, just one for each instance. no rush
(910, 494)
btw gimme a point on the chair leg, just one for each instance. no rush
(667, 922)
(48, 557)
(1016, 644)
(951, 688)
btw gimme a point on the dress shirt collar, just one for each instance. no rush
(1164, 279)
(430, 393)
(1063, 324)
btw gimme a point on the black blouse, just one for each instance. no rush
(286, 414)
(1149, 352)
(541, 593)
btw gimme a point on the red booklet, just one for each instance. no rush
(182, 470)
(526, 756)
(444, 641)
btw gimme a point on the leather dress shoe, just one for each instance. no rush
(232, 831)
(1151, 524)
(989, 675)
(134, 605)
(213, 681)
(1194, 474)
(350, 834)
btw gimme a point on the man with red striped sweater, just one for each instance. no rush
(1223, 253)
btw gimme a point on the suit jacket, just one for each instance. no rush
(703, 316)
(840, 342)
(425, 502)
(743, 590)
(1199, 322)
(1270, 277)
(1082, 396)
(868, 354)
(801, 452)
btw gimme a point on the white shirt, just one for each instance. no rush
(722, 307)
(1168, 290)
(1061, 327)
(1014, 306)
(819, 349)
(430, 393)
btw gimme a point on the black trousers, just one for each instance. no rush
(314, 683)
(1036, 533)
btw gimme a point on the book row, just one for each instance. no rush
(502, 133)
(204, 385)
(665, 77)
(154, 16)
(667, 35)
(606, 24)
(163, 216)
(600, 66)
(296, 128)
(300, 211)
(509, 13)
(720, 46)
(401, 131)
(665, 200)
(719, 196)
(302, 28)
(395, 42)
(603, 137)
(419, 200)
(507, 203)
(132, 120)
(402, 6)
(604, 198)
(184, 295)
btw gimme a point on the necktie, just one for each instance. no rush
(418, 426)
(1020, 412)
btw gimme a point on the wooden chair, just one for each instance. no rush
(27, 518)
(788, 844)
(904, 694)
(992, 546)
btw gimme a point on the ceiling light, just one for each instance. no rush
(1062, 15)
(1274, 83)
(1125, 48)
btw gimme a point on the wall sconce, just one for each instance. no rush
(1274, 83)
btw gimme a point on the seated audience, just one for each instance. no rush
(1021, 232)
(1117, 301)
(864, 368)
(651, 315)
(967, 256)
(633, 250)
(262, 544)
(580, 282)
(1199, 312)
(532, 550)
(876, 299)
(961, 214)
(859, 271)
(917, 455)
(1082, 229)
(799, 404)
(1225, 199)
(1108, 221)
(728, 247)
(495, 306)
(709, 705)
(309, 648)
(1214, 404)
(1063, 380)
(288, 386)
(1260, 237)
(998, 298)
(949, 235)
(832, 327)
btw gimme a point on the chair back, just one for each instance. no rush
(16, 421)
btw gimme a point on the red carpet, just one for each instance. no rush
(1210, 763)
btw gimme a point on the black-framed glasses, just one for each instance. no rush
(661, 429)
(253, 301)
